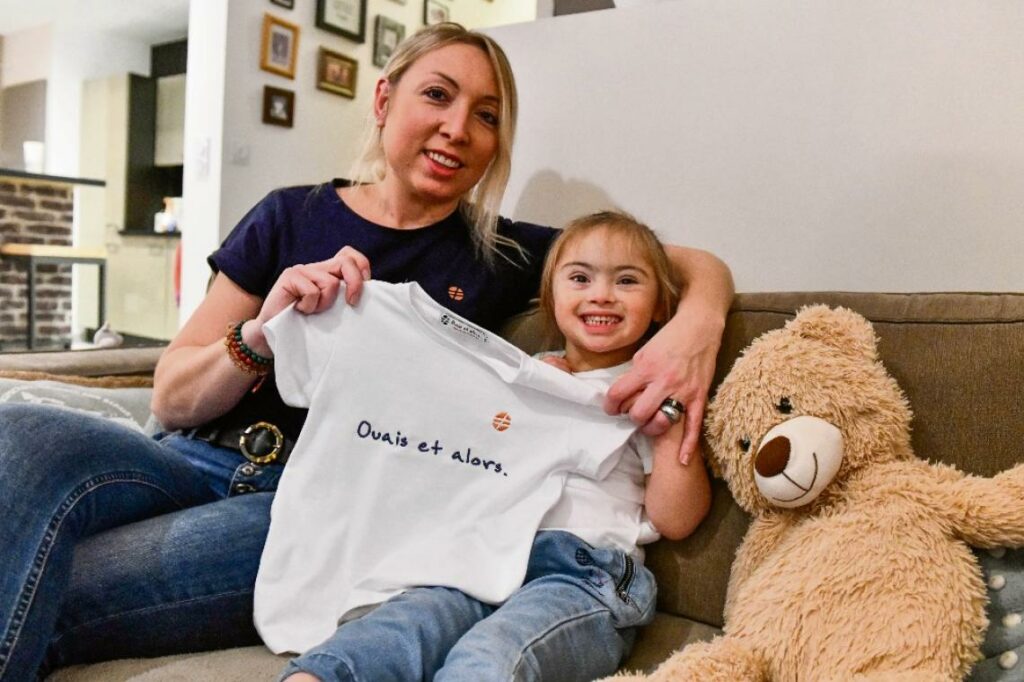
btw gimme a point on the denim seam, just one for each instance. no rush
(324, 654)
(539, 637)
(28, 593)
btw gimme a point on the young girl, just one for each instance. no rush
(606, 285)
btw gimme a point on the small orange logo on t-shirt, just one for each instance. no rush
(456, 293)
(501, 421)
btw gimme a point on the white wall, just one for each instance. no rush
(479, 14)
(78, 55)
(204, 140)
(26, 56)
(320, 145)
(826, 145)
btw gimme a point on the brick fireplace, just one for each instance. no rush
(34, 212)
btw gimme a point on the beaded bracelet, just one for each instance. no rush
(245, 358)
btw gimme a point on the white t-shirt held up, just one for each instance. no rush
(431, 451)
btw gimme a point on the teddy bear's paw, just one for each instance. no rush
(721, 660)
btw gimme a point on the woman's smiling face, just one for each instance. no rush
(439, 124)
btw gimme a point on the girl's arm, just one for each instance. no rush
(196, 381)
(680, 360)
(678, 495)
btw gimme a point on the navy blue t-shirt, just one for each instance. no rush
(307, 224)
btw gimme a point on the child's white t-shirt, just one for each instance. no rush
(431, 451)
(608, 512)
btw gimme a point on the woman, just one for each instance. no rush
(116, 545)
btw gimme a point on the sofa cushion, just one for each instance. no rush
(243, 664)
(653, 645)
(661, 637)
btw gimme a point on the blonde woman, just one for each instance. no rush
(117, 545)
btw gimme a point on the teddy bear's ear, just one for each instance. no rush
(840, 328)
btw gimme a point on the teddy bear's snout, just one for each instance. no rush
(798, 459)
(773, 457)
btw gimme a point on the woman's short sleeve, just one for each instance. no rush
(249, 255)
(302, 346)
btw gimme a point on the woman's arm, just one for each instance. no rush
(196, 380)
(679, 361)
(678, 494)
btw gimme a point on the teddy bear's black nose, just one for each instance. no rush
(773, 457)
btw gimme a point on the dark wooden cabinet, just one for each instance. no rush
(147, 184)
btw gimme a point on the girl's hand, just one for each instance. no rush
(313, 288)
(679, 362)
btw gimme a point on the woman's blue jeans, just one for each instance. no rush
(113, 544)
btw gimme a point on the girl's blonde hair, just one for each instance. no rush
(481, 204)
(640, 238)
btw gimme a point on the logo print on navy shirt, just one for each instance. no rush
(501, 421)
(456, 293)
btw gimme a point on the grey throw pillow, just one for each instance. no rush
(128, 406)
(1003, 647)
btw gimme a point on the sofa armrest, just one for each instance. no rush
(86, 363)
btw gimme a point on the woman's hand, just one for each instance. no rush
(196, 380)
(313, 288)
(679, 362)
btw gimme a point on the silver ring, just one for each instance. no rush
(672, 409)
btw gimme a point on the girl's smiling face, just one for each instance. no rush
(604, 294)
(439, 124)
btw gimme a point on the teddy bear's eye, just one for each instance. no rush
(744, 443)
(784, 406)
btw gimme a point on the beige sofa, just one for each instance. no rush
(959, 357)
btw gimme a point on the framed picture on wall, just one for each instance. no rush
(279, 48)
(278, 106)
(345, 17)
(387, 34)
(434, 12)
(337, 73)
(290, 4)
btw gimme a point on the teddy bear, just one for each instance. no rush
(856, 565)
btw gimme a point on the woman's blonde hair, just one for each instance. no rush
(641, 240)
(481, 204)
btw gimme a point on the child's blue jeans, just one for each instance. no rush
(574, 618)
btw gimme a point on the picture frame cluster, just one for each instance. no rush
(336, 73)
